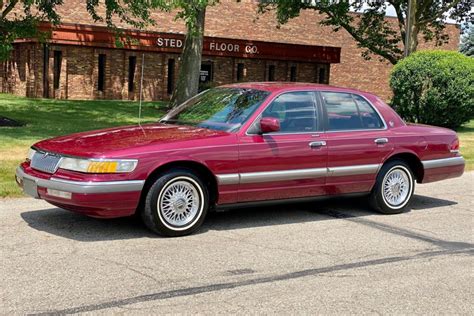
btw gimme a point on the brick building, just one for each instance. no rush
(80, 60)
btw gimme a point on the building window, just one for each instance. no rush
(132, 64)
(101, 73)
(57, 68)
(271, 73)
(170, 86)
(293, 73)
(240, 71)
(322, 75)
(45, 69)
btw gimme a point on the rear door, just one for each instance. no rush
(289, 163)
(357, 140)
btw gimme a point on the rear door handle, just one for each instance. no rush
(317, 144)
(381, 141)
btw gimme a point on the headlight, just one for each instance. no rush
(31, 153)
(98, 165)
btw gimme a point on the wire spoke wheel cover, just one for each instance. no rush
(397, 187)
(180, 203)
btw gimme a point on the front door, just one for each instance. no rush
(289, 163)
(206, 76)
(357, 142)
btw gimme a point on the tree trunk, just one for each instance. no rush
(190, 66)
(412, 28)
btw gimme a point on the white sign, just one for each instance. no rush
(232, 48)
(224, 47)
(169, 42)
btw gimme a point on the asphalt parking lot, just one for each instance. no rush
(326, 257)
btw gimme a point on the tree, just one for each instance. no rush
(20, 18)
(434, 87)
(372, 32)
(193, 12)
(467, 42)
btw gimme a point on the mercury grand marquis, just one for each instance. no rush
(241, 144)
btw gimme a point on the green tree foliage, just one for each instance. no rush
(20, 18)
(467, 42)
(372, 32)
(434, 87)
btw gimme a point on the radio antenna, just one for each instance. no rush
(141, 92)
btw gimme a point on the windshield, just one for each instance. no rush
(223, 109)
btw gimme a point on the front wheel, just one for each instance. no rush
(176, 204)
(393, 189)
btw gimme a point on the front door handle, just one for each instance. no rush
(381, 141)
(317, 144)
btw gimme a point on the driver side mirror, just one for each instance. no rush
(269, 125)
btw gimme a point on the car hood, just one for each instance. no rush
(127, 139)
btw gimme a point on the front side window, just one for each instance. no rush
(224, 109)
(347, 111)
(296, 112)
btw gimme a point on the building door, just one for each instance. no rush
(206, 76)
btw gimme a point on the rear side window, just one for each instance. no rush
(296, 112)
(347, 111)
(370, 118)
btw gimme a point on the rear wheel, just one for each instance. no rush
(393, 189)
(176, 204)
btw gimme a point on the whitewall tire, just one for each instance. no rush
(176, 204)
(393, 188)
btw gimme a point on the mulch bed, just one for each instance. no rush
(5, 121)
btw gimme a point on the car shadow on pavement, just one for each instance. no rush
(82, 228)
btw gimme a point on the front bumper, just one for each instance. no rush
(98, 199)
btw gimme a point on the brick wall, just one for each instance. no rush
(23, 74)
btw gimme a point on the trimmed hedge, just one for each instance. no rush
(434, 87)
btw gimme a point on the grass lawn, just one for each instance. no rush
(44, 118)
(466, 137)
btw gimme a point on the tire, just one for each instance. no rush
(176, 204)
(398, 193)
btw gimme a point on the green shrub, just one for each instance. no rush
(434, 87)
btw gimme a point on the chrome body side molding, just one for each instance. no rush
(295, 174)
(445, 162)
(353, 170)
(283, 175)
(83, 187)
(229, 178)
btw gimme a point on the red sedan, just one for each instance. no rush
(238, 145)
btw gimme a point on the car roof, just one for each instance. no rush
(275, 86)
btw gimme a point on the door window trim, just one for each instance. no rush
(317, 107)
(326, 117)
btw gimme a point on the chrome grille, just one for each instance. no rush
(45, 162)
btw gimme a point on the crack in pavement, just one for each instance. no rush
(449, 245)
(256, 281)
